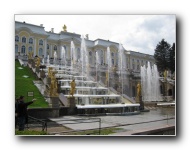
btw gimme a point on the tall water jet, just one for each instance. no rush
(48, 60)
(55, 58)
(73, 54)
(63, 56)
(109, 65)
(84, 57)
(121, 64)
(150, 83)
(97, 64)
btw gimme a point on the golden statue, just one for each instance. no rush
(30, 54)
(72, 90)
(38, 62)
(165, 75)
(138, 89)
(53, 85)
(50, 72)
(65, 28)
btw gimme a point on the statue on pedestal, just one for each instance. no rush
(165, 75)
(30, 55)
(37, 62)
(138, 89)
(53, 85)
(50, 72)
(65, 28)
(72, 90)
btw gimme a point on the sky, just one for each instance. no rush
(139, 33)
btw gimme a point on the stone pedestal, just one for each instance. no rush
(37, 69)
(72, 106)
(54, 102)
(139, 100)
(42, 74)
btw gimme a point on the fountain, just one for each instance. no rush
(97, 63)
(55, 58)
(48, 60)
(109, 66)
(73, 55)
(121, 65)
(63, 56)
(150, 83)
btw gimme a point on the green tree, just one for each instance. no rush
(161, 55)
(171, 58)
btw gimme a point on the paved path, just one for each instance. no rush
(82, 122)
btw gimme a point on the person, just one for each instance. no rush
(22, 114)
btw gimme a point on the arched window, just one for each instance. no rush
(16, 48)
(90, 57)
(23, 40)
(40, 42)
(112, 54)
(23, 49)
(47, 46)
(30, 49)
(17, 38)
(78, 53)
(31, 41)
(40, 52)
(55, 48)
(112, 61)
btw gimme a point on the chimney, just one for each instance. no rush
(41, 25)
(52, 30)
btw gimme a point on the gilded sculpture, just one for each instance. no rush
(65, 28)
(38, 62)
(138, 89)
(72, 90)
(50, 72)
(53, 85)
(165, 74)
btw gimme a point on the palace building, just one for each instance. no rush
(34, 38)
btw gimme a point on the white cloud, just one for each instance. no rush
(136, 32)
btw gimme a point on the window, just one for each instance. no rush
(40, 52)
(112, 54)
(112, 61)
(16, 48)
(90, 53)
(138, 68)
(23, 49)
(47, 46)
(40, 42)
(31, 41)
(55, 48)
(23, 40)
(30, 49)
(133, 66)
(102, 56)
(137, 61)
(78, 53)
(17, 38)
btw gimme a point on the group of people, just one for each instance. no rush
(21, 115)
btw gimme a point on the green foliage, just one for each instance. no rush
(28, 132)
(24, 85)
(165, 56)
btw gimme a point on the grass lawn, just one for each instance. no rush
(24, 85)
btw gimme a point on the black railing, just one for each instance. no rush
(34, 123)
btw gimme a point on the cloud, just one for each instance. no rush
(136, 32)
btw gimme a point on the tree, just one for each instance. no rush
(161, 55)
(171, 58)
